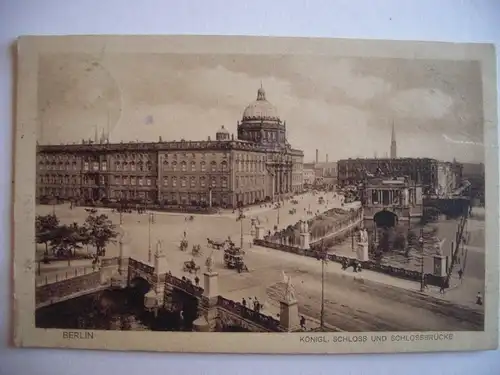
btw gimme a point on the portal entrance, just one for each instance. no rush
(385, 219)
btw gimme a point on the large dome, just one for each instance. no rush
(260, 109)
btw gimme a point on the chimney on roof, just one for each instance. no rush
(159, 139)
(326, 158)
(317, 156)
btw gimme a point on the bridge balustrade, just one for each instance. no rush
(238, 309)
(146, 268)
(185, 286)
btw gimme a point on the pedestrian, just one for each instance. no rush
(442, 288)
(197, 280)
(302, 322)
(244, 302)
(479, 299)
(460, 274)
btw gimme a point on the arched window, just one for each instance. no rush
(174, 181)
(213, 182)
(213, 166)
(224, 166)
(203, 166)
(183, 182)
(193, 166)
(203, 182)
(174, 166)
(125, 166)
(193, 182)
(132, 166)
(165, 165)
(224, 182)
(183, 166)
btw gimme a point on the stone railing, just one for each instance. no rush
(278, 246)
(146, 268)
(371, 265)
(55, 292)
(185, 286)
(401, 273)
(255, 317)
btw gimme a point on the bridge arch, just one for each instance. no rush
(385, 219)
(138, 287)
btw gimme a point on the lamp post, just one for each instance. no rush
(240, 218)
(151, 220)
(323, 258)
(422, 275)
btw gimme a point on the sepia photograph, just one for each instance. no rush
(314, 191)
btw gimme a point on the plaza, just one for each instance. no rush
(354, 302)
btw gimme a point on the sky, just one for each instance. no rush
(344, 107)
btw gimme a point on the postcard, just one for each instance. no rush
(219, 194)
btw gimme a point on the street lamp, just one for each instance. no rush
(323, 258)
(240, 218)
(422, 275)
(151, 220)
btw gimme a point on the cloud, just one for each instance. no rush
(421, 103)
(328, 76)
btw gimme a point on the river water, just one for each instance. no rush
(107, 310)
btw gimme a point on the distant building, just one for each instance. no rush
(399, 196)
(309, 176)
(259, 165)
(436, 177)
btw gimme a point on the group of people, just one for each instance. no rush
(196, 280)
(257, 306)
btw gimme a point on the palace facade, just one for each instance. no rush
(260, 165)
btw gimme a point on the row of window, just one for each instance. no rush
(183, 166)
(249, 181)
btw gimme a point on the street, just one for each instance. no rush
(371, 302)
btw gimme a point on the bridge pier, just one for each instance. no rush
(207, 321)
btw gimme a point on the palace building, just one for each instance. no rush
(260, 165)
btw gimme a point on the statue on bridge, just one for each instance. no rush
(363, 235)
(209, 263)
(289, 289)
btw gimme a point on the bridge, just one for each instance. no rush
(205, 309)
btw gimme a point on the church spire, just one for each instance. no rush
(95, 135)
(393, 143)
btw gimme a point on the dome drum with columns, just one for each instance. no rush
(261, 123)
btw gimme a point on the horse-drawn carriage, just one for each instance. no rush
(196, 251)
(216, 244)
(190, 266)
(184, 245)
(233, 259)
(292, 211)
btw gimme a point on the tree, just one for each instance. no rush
(45, 228)
(66, 240)
(101, 232)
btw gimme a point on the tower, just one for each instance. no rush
(317, 156)
(393, 143)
